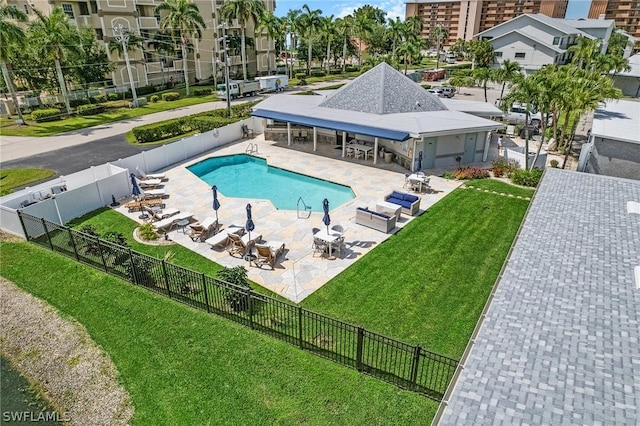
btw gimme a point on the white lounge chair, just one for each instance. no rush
(144, 175)
(160, 214)
(201, 231)
(149, 183)
(167, 224)
(267, 253)
(152, 193)
(221, 239)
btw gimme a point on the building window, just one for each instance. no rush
(99, 34)
(68, 9)
(556, 41)
(84, 9)
(498, 54)
(94, 6)
(520, 55)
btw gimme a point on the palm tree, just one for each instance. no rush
(293, 26)
(310, 23)
(440, 34)
(397, 32)
(269, 23)
(362, 26)
(408, 50)
(507, 73)
(483, 75)
(585, 52)
(482, 53)
(182, 19)
(133, 43)
(55, 39)
(328, 30)
(164, 45)
(11, 37)
(414, 26)
(243, 11)
(525, 91)
(344, 28)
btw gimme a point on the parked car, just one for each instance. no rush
(448, 91)
(437, 91)
(517, 114)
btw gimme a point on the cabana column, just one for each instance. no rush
(344, 143)
(375, 150)
(486, 146)
(288, 133)
(315, 138)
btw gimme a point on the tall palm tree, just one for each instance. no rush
(414, 26)
(310, 24)
(344, 28)
(440, 34)
(183, 19)
(362, 26)
(165, 47)
(483, 75)
(55, 39)
(243, 11)
(269, 23)
(328, 31)
(397, 33)
(11, 37)
(525, 91)
(507, 73)
(585, 51)
(408, 50)
(293, 27)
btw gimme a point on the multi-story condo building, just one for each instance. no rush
(149, 66)
(625, 13)
(465, 18)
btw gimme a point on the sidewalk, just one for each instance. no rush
(16, 147)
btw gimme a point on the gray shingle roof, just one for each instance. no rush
(383, 90)
(560, 343)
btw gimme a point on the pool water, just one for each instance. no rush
(244, 176)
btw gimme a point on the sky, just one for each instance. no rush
(394, 8)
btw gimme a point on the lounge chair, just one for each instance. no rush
(146, 176)
(135, 205)
(221, 239)
(167, 224)
(157, 215)
(149, 183)
(152, 193)
(240, 244)
(267, 253)
(201, 231)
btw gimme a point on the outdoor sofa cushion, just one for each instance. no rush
(410, 203)
(375, 220)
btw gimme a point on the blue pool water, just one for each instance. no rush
(244, 176)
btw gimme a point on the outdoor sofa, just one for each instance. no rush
(410, 203)
(378, 221)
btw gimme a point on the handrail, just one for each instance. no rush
(251, 148)
(307, 209)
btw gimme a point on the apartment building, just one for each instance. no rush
(149, 66)
(625, 13)
(465, 18)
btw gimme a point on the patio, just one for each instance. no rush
(297, 272)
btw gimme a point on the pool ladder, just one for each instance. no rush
(252, 148)
(305, 209)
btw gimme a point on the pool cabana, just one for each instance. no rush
(385, 108)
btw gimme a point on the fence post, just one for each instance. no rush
(73, 243)
(104, 262)
(414, 367)
(300, 327)
(250, 296)
(166, 278)
(206, 293)
(44, 224)
(359, 348)
(133, 268)
(24, 228)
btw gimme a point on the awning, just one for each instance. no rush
(394, 135)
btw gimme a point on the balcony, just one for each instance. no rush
(146, 2)
(148, 23)
(154, 67)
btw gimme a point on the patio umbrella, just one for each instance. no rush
(326, 219)
(216, 203)
(135, 189)
(420, 161)
(249, 226)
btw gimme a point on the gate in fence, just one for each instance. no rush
(407, 366)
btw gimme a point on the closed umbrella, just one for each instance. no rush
(420, 161)
(216, 203)
(249, 226)
(326, 219)
(135, 190)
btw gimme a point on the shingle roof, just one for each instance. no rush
(383, 90)
(560, 341)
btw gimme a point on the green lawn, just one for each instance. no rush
(428, 284)
(183, 366)
(9, 128)
(501, 187)
(12, 178)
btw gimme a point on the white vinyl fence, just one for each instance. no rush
(67, 197)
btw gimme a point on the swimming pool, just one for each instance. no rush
(244, 176)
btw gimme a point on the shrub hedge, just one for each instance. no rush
(154, 99)
(526, 177)
(203, 92)
(113, 97)
(75, 103)
(90, 109)
(170, 96)
(45, 115)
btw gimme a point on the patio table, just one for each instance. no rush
(420, 179)
(329, 237)
(365, 149)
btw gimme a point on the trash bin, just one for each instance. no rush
(388, 157)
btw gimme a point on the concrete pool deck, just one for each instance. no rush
(298, 273)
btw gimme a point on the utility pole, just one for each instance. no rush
(122, 36)
(227, 64)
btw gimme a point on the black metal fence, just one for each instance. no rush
(407, 366)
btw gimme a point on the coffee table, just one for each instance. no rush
(389, 209)
(182, 223)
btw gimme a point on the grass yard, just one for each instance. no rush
(13, 178)
(9, 128)
(428, 284)
(183, 366)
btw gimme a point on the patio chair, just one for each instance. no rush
(303, 135)
(319, 247)
(157, 214)
(152, 193)
(267, 253)
(149, 183)
(201, 231)
(146, 176)
(240, 244)
(247, 132)
(221, 238)
(165, 225)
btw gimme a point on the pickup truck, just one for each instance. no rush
(517, 115)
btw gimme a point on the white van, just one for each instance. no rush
(450, 58)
